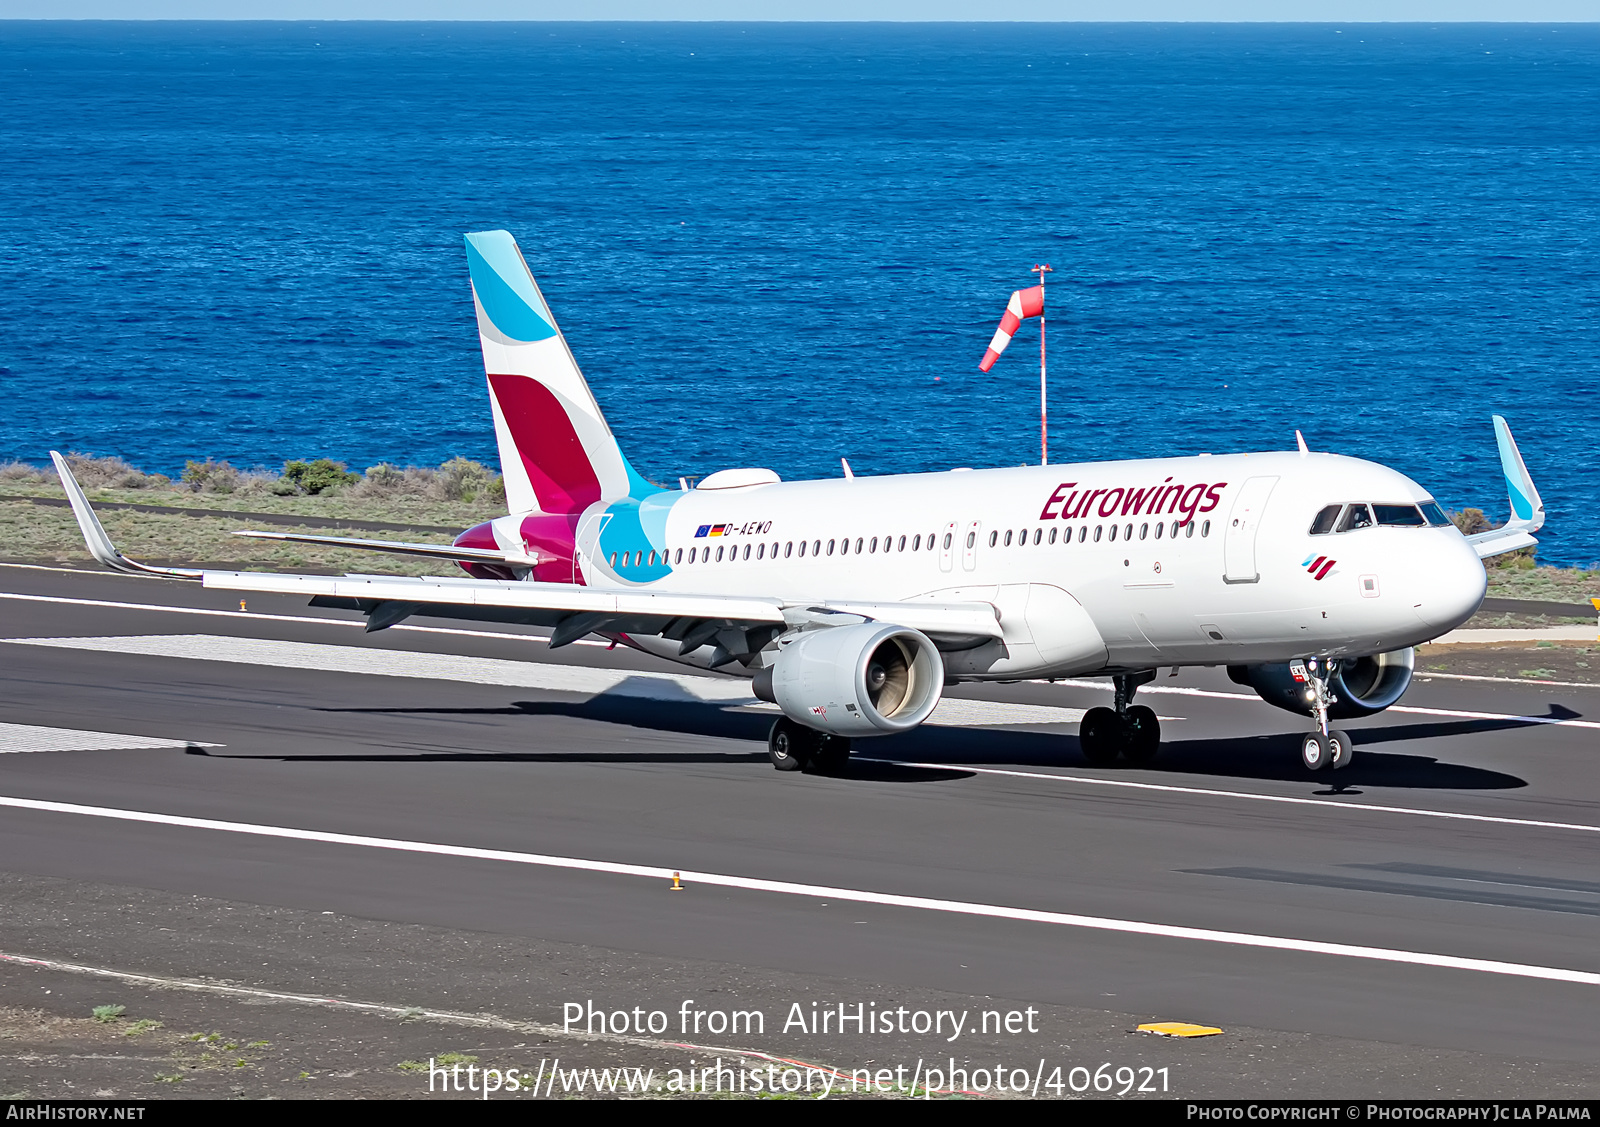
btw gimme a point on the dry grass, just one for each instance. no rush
(36, 534)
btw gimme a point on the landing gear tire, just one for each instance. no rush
(1141, 735)
(790, 745)
(830, 755)
(1315, 751)
(1340, 749)
(1100, 735)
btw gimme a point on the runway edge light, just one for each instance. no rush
(1178, 1029)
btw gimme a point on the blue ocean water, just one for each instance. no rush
(782, 244)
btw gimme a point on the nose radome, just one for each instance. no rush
(1452, 589)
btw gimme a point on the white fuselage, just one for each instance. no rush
(1090, 566)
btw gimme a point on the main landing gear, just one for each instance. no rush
(1131, 732)
(794, 747)
(1326, 746)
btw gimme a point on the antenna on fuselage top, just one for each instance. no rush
(1300, 441)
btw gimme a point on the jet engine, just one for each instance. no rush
(867, 679)
(1361, 686)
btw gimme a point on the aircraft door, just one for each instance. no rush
(947, 546)
(969, 545)
(1239, 536)
(587, 542)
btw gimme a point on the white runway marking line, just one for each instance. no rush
(548, 676)
(1169, 788)
(1430, 675)
(826, 892)
(28, 738)
(486, 1021)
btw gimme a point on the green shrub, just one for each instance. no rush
(211, 477)
(1471, 521)
(319, 476)
(461, 479)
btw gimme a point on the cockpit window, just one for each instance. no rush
(1325, 520)
(1435, 514)
(1408, 516)
(1356, 516)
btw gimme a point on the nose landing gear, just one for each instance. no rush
(1129, 730)
(1326, 746)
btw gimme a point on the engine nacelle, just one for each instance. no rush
(1362, 685)
(869, 679)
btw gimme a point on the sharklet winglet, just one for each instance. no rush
(94, 533)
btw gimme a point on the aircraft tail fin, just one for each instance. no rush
(557, 453)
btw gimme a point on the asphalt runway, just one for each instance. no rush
(1436, 906)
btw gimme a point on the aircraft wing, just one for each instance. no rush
(741, 624)
(1527, 509)
(432, 551)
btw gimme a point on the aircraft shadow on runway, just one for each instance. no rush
(1274, 756)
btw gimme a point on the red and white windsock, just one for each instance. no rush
(1023, 304)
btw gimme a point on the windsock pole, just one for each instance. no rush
(1044, 413)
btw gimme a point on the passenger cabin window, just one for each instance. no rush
(1402, 516)
(1111, 536)
(1356, 516)
(1096, 534)
(994, 538)
(1008, 538)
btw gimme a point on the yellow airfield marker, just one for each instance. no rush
(676, 887)
(1596, 603)
(1178, 1029)
(241, 604)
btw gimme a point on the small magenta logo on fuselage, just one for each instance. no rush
(1318, 567)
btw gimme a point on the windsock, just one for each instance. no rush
(1023, 303)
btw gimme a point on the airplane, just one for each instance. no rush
(852, 603)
